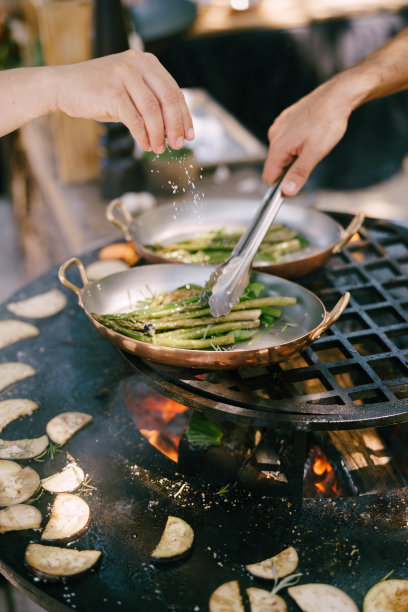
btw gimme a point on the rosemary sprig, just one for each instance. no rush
(32, 500)
(224, 489)
(51, 450)
(286, 582)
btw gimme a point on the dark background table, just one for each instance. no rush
(350, 542)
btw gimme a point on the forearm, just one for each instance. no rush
(25, 94)
(380, 74)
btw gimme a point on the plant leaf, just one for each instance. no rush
(201, 432)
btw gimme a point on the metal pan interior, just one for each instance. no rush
(121, 291)
(173, 222)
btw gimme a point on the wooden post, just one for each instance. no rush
(65, 34)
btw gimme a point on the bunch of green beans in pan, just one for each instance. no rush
(181, 320)
(214, 246)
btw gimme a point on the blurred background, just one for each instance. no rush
(241, 63)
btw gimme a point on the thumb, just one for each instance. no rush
(298, 174)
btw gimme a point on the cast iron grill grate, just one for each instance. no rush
(356, 375)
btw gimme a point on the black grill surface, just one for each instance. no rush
(354, 376)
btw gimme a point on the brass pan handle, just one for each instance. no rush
(111, 216)
(351, 229)
(331, 317)
(63, 279)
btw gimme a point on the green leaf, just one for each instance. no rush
(252, 291)
(201, 432)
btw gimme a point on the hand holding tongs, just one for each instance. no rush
(228, 281)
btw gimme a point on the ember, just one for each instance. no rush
(321, 475)
(161, 421)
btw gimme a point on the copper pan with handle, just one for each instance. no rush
(299, 326)
(174, 222)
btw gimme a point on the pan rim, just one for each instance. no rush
(198, 355)
(143, 219)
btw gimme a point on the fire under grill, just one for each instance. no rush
(320, 410)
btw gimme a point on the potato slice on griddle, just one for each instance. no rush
(261, 600)
(13, 409)
(12, 331)
(70, 517)
(66, 481)
(63, 426)
(226, 598)
(321, 598)
(18, 517)
(14, 371)
(17, 484)
(284, 563)
(176, 540)
(387, 596)
(101, 268)
(39, 306)
(54, 563)
(28, 448)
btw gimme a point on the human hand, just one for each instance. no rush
(304, 134)
(131, 87)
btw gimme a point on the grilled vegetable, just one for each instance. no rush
(226, 598)
(12, 372)
(14, 409)
(27, 448)
(66, 481)
(387, 596)
(63, 426)
(214, 246)
(17, 484)
(262, 600)
(176, 540)
(70, 517)
(280, 565)
(120, 250)
(321, 598)
(54, 563)
(12, 331)
(39, 306)
(101, 268)
(186, 323)
(18, 517)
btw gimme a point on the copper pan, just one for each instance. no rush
(119, 292)
(169, 223)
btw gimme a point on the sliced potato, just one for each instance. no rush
(226, 598)
(54, 563)
(63, 426)
(66, 481)
(12, 331)
(101, 268)
(18, 517)
(27, 448)
(70, 516)
(12, 372)
(284, 563)
(17, 485)
(262, 600)
(321, 598)
(39, 306)
(176, 540)
(13, 409)
(387, 596)
(8, 467)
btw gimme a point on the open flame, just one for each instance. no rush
(324, 477)
(161, 421)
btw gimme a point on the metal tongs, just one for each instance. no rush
(228, 281)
